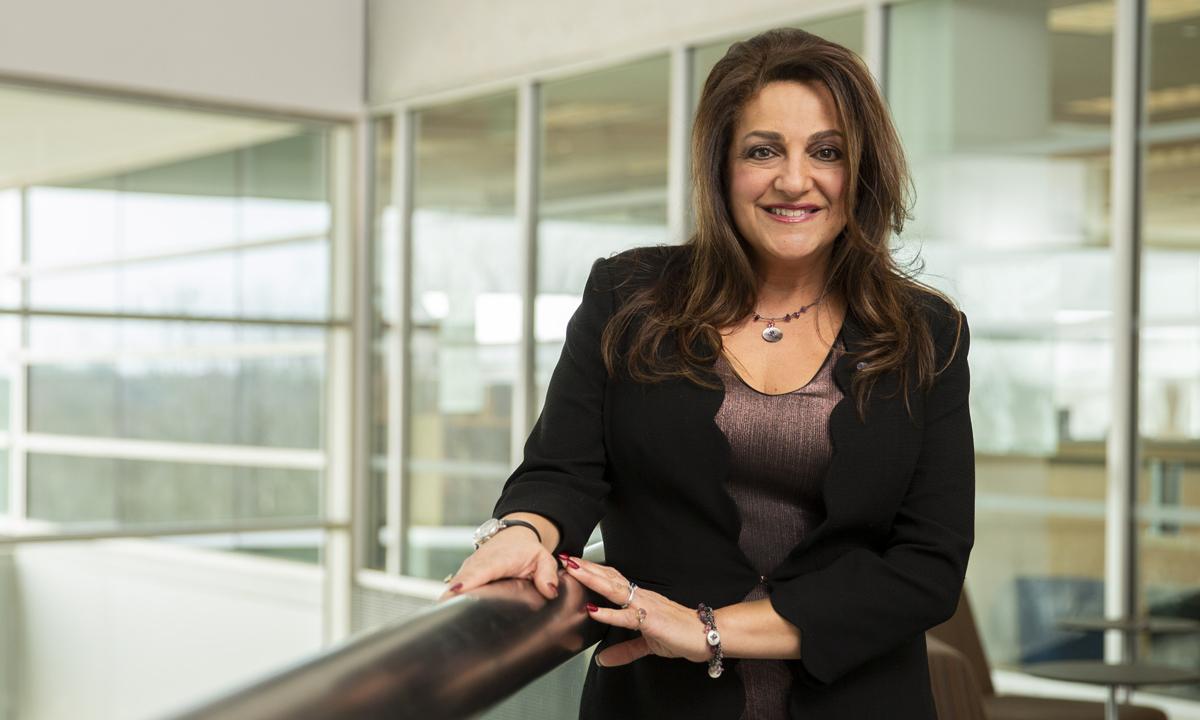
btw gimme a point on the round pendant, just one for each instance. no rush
(772, 334)
(714, 671)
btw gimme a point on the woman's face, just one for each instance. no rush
(787, 173)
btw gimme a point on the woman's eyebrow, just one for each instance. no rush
(826, 134)
(776, 137)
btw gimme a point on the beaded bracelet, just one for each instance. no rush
(715, 668)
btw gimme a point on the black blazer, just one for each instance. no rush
(648, 463)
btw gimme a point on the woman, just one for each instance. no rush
(770, 420)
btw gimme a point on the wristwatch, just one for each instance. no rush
(491, 526)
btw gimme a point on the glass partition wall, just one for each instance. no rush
(1169, 486)
(175, 375)
(1004, 109)
(1011, 220)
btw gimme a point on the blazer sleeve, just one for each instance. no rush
(562, 474)
(868, 602)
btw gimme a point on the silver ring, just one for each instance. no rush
(632, 590)
(641, 617)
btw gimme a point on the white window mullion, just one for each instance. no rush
(166, 451)
(875, 14)
(18, 390)
(398, 343)
(528, 154)
(345, 152)
(362, 332)
(679, 134)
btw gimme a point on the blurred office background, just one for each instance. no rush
(282, 286)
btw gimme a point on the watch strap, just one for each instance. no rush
(510, 523)
(522, 523)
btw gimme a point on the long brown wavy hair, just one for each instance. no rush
(711, 284)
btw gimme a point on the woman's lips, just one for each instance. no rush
(793, 218)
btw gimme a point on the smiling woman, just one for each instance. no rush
(815, 489)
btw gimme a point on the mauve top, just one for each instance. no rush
(775, 480)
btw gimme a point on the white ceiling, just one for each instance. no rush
(50, 137)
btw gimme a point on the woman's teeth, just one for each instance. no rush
(790, 213)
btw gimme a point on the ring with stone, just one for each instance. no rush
(632, 590)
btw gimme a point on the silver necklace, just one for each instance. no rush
(773, 334)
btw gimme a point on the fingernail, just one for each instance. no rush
(456, 587)
(554, 588)
(563, 556)
(591, 608)
(571, 564)
(596, 657)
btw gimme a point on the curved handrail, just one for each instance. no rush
(452, 660)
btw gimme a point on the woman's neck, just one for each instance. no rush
(784, 288)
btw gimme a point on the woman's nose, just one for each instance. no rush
(795, 177)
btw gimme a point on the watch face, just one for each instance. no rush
(489, 528)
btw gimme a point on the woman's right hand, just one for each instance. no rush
(511, 553)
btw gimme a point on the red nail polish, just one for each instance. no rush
(591, 608)
(563, 556)
(456, 587)
(554, 588)
(572, 564)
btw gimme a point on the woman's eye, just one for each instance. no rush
(762, 152)
(829, 154)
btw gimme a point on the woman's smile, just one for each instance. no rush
(785, 214)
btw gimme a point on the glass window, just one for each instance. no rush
(244, 401)
(273, 190)
(465, 319)
(165, 211)
(603, 185)
(10, 228)
(1012, 205)
(251, 282)
(1169, 487)
(68, 489)
(3, 481)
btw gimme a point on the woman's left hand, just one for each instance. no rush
(668, 629)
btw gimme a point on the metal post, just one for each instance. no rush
(1121, 587)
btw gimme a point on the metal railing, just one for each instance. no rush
(450, 661)
(453, 660)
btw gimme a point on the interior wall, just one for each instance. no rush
(278, 54)
(138, 629)
(418, 48)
